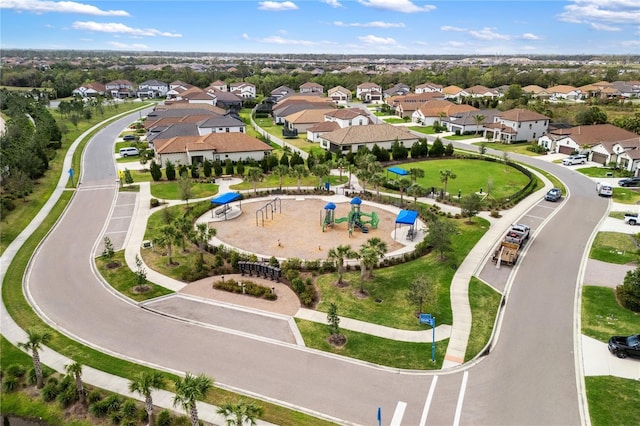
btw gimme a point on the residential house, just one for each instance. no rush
(196, 95)
(438, 110)
(346, 117)
(120, 89)
(218, 85)
(452, 92)
(369, 92)
(176, 88)
(480, 92)
(516, 125)
(311, 87)
(213, 147)
(428, 87)
(399, 89)
(314, 133)
(564, 92)
(152, 89)
(416, 98)
(535, 91)
(584, 139)
(629, 158)
(293, 104)
(468, 122)
(627, 89)
(280, 92)
(243, 90)
(179, 84)
(227, 100)
(353, 138)
(302, 120)
(339, 95)
(90, 90)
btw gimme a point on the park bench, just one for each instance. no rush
(223, 210)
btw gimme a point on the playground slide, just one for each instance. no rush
(341, 219)
(374, 221)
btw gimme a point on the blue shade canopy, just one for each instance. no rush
(356, 200)
(398, 171)
(330, 206)
(407, 217)
(226, 198)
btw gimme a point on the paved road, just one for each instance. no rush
(530, 377)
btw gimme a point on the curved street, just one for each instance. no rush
(532, 374)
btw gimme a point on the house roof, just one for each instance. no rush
(311, 85)
(468, 117)
(435, 107)
(341, 89)
(221, 121)
(561, 89)
(194, 108)
(160, 121)
(532, 88)
(225, 97)
(346, 113)
(595, 134)
(369, 85)
(325, 126)
(172, 130)
(429, 85)
(153, 83)
(368, 134)
(218, 142)
(521, 114)
(451, 90)
(479, 90)
(419, 98)
(307, 116)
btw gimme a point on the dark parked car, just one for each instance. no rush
(622, 346)
(634, 181)
(554, 194)
(129, 138)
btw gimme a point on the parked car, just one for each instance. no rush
(623, 346)
(604, 189)
(634, 181)
(129, 138)
(631, 218)
(554, 194)
(130, 151)
(574, 159)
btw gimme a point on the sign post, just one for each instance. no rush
(379, 417)
(71, 176)
(431, 320)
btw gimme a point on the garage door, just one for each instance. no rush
(599, 158)
(563, 149)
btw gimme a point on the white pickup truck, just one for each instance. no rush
(517, 234)
(631, 218)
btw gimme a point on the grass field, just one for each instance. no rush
(611, 400)
(603, 317)
(517, 148)
(614, 247)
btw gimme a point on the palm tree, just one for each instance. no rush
(341, 164)
(416, 191)
(75, 369)
(370, 252)
(184, 229)
(377, 181)
(403, 184)
(416, 173)
(241, 413)
(478, 119)
(202, 235)
(168, 236)
(299, 171)
(36, 339)
(190, 389)
(445, 175)
(338, 255)
(144, 384)
(281, 171)
(320, 170)
(255, 175)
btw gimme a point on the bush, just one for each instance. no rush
(154, 202)
(49, 392)
(10, 383)
(67, 396)
(15, 370)
(129, 409)
(164, 418)
(297, 285)
(94, 396)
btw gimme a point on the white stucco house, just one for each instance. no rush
(516, 125)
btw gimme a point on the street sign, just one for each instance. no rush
(427, 319)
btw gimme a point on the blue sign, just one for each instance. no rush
(379, 416)
(71, 172)
(427, 319)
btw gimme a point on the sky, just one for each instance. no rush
(357, 27)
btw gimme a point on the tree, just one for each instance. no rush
(440, 236)
(36, 339)
(338, 255)
(228, 167)
(184, 231)
(202, 236)
(378, 180)
(188, 390)
(156, 171)
(207, 167)
(421, 289)
(75, 369)
(108, 251)
(170, 170)
(128, 179)
(320, 170)
(241, 413)
(255, 175)
(593, 115)
(445, 176)
(281, 171)
(448, 150)
(416, 174)
(141, 273)
(437, 149)
(333, 319)
(299, 171)
(195, 172)
(184, 188)
(144, 384)
(168, 236)
(470, 205)
(403, 183)
(629, 291)
(341, 164)
(370, 253)
(416, 191)
(478, 119)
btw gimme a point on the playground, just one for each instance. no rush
(292, 227)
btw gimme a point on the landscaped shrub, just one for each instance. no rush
(10, 383)
(94, 396)
(164, 418)
(129, 409)
(297, 285)
(49, 392)
(154, 202)
(250, 288)
(15, 370)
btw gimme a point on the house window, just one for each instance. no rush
(534, 135)
(227, 130)
(530, 126)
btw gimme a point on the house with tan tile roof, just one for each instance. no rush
(535, 91)
(213, 147)
(418, 98)
(315, 132)
(90, 90)
(293, 104)
(369, 92)
(480, 92)
(243, 90)
(346, 117)
(428, 87)
(218, 84)
(454, 92)
(564, 92)
(516, 125)
(302, 120)
(438, 109)
(353, 138)
(339, 95)
(184, 104)
(311, 87)
(584, 139)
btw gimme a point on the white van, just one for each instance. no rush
(604, 189)
(574, 159)
(129, 151)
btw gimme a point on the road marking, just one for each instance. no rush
(535, 217)
(121, 217)
(396, 420)
(427, 403)
(463, 387)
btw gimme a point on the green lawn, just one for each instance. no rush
(415, 356)
(485, 302)
(455, 137)
(389, 285)
(603, 317)
(394, 120)
(614, 247)
(626, 195)
(427, 130)
(472, 175)
(272, 181)
(612, 400)
(601, 172)
(168, 190)
(518, 148)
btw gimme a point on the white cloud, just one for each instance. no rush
(277, 6)
(404, 6)
(125, 46)
(454, 44)
(612, 11)
(117, 28)
(371, 39)
(631, 43)
(488, 34)
(332, 3)
(245, 36)
(529, 36)
(372, 24)
(39, 6)
(291, 42)
(450, 28)
(604, 27)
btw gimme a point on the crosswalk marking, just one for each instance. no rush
(427, 403)
(396, 420)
